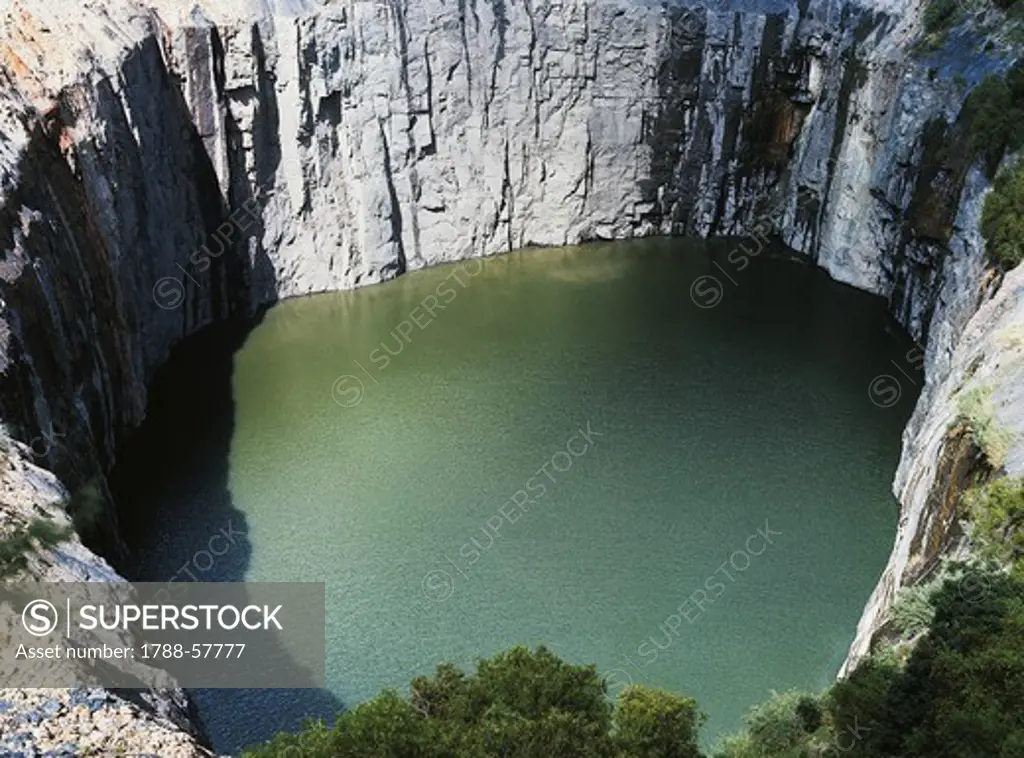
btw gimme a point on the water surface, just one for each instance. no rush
(331, 464)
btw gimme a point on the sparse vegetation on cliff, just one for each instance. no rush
(942, 15)
(20, 540)
(977, 418)
(996, 511)
(939, 15)
(914, 608)
(955, 696)
(995, 109)
(1002, 221)
(86, 508)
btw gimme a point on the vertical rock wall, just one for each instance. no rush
(164, 166)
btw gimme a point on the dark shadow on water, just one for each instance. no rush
(171, 486)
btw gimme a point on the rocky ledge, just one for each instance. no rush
(72, 723)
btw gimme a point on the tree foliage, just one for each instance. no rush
(977, 417)
(657, 724)
(997, 512)
(995, 108)
(959, 695)
(1002, 220)
(518, 704)
(939, 15)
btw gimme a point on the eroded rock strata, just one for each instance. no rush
(165, 166)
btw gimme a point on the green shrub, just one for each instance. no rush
(961, 691)
(978, 418)
(1002, 221)
(21, 540)
(386, 726)
(939, 15)
(996, 511)
(958, 694)
(994, 110)
(789, 725)
(912, 610)
(779, 726)
(858, 705)
(316, 740)
(47, 533)
(522, 703)
(656, 724)
(88, 508)
(808, 710)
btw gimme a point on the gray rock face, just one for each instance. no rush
(82, 720)
(166, 169)
(382, 137)
(989, 355)
(165, 166)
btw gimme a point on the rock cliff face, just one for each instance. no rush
(937, 461)
(88, 721)
(165, 169)
(165, 166)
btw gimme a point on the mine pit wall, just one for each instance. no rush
(376, 138)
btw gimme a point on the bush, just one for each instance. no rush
(912, 611)
(779, 726)
(521, 703)
(996, 511)
(958, 695)
(789, 725)
(16, 545)
(961, 691)
(994, 110)
(87, 508)
(1002, 221)
(656, 724)
(939, 15)
(978, 419)
(316, 740)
